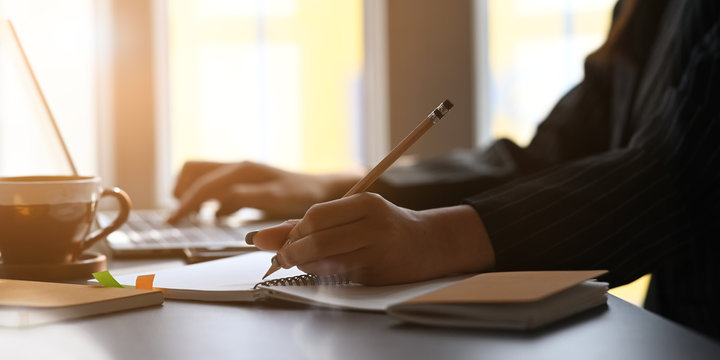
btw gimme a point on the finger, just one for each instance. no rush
(185, 208)
(211, 184)
(227, 208)
(190, 172)
(334, 213)
(204, 188)
(259, 196)
(344, 264)
(274, 237)
(324, 244)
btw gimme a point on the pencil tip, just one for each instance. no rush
(271, 270)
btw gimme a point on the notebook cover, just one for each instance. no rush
(507, 287)
(36, 294)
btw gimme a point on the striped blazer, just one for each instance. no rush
(623, 174)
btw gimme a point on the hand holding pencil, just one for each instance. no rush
(383, 165)
(367, 239)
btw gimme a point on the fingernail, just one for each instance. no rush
(249, 237)
(275, 262)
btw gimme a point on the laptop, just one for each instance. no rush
(197, 238)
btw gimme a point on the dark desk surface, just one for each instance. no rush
(194, 330)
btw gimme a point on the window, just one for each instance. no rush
(535, 55)
(278, 82)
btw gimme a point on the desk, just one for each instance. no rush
(274, 330)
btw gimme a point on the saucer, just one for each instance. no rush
(81, 269)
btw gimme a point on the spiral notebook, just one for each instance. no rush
(509, 300)
(238, 278)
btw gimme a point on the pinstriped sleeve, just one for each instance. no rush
(626, 210)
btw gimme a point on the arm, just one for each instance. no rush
(644, 205)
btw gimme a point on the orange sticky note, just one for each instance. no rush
(144, 282)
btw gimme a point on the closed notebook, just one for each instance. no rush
(508, 300)
(26, 303)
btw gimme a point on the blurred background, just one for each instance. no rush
(138, 87)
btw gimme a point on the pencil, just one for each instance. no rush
(364, 183)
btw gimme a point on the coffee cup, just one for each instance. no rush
(48, 219)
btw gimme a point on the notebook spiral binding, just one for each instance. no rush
(305, 280)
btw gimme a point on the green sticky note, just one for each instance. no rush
(105, 279)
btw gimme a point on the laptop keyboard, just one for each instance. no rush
(148, 230)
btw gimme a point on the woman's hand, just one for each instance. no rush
(278, 193)
(372, 241)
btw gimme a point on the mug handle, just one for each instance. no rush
(124, 201)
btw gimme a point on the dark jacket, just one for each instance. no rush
(623, 174)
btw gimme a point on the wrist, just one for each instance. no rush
(464, 244)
